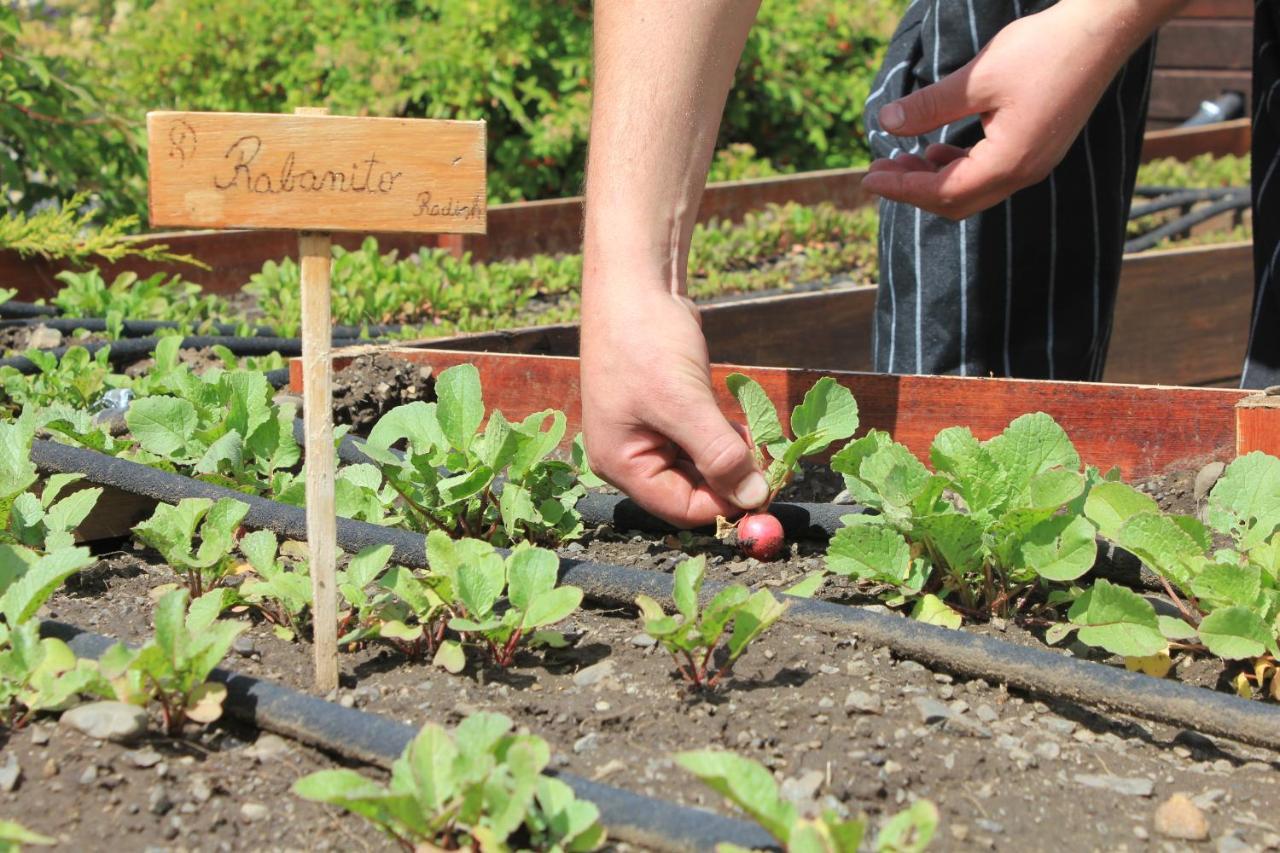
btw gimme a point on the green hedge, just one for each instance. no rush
(522, 65)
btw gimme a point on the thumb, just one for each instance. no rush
(719, 454)
(948, 100)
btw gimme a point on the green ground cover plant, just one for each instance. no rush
(751, 787)
(735, 617)
(523, 67)
(448, 475)
(128, 296)
(37, 553)
(480, 785)
(993, 524)
(173, 667)
(1226, 594)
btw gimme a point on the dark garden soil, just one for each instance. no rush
(841, 724)
(372, 385)
(223, 789)
(199, 360)
(15, 340)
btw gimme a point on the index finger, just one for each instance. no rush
(962, 187)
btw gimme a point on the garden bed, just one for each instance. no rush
(895, 708)
(833, 716)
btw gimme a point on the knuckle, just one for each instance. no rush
(722, 456)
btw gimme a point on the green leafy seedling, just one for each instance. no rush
(282, 591)
(448, 475)
(751, 787)
(1228, 599)
(13, 835)
(48, 522)
(478, 578)
(827, 414)
(37, 674)
(473, 789)
(173, 667)
(172, 530)
(992, 522)
(693, 634)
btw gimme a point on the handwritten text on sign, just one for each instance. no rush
(316, 173)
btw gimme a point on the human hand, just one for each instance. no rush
(650, 421)
(1034, 86)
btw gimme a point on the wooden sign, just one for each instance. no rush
(316, 172)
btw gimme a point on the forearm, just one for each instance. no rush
(1126, 24)
(663, 69)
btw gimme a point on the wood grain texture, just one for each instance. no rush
(1205, 43)
(316, 172)
(317, 412)
(1258, 424)
(1182, 316)
(1184, 143)
(1144, 430)
(1177, 93)
(1218, 9)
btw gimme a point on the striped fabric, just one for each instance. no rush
(1028, 287)
(1262, 365)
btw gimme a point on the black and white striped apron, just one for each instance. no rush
(1028, 287)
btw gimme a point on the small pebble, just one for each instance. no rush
(252, 812)
(861, 702)
(1178, 817)
(643, 641)
(143, 758)
(10, 774)
(593, 674)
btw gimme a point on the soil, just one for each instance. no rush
(227, 788)
(372, 385)
(841, 724)
(199, 360)
(15, 340)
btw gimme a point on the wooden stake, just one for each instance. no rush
(315, 174)
(314, 254)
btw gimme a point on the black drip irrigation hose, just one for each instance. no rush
(1206, 193)
(133, 349)
(799, 520)
(373, 739)
(135, 328)
(14, 309)
(1183, 223)
(1037, 671)
(1182, 198)
(29, 314)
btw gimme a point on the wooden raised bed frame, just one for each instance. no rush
(1142, 430)
(526, 228)
(1182, 317)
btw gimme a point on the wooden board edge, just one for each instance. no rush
(1142, 429)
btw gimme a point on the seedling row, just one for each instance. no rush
(459, 471)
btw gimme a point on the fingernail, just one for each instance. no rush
(893, 117)
(751, 492)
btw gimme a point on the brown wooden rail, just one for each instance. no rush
(521, 229)
(1143, 430)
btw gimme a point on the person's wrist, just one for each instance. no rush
(1127, 23)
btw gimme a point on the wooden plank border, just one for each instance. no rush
(1143, 430)
(1182, 317)
(525, 228)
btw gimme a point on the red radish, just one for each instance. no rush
(760, 535)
